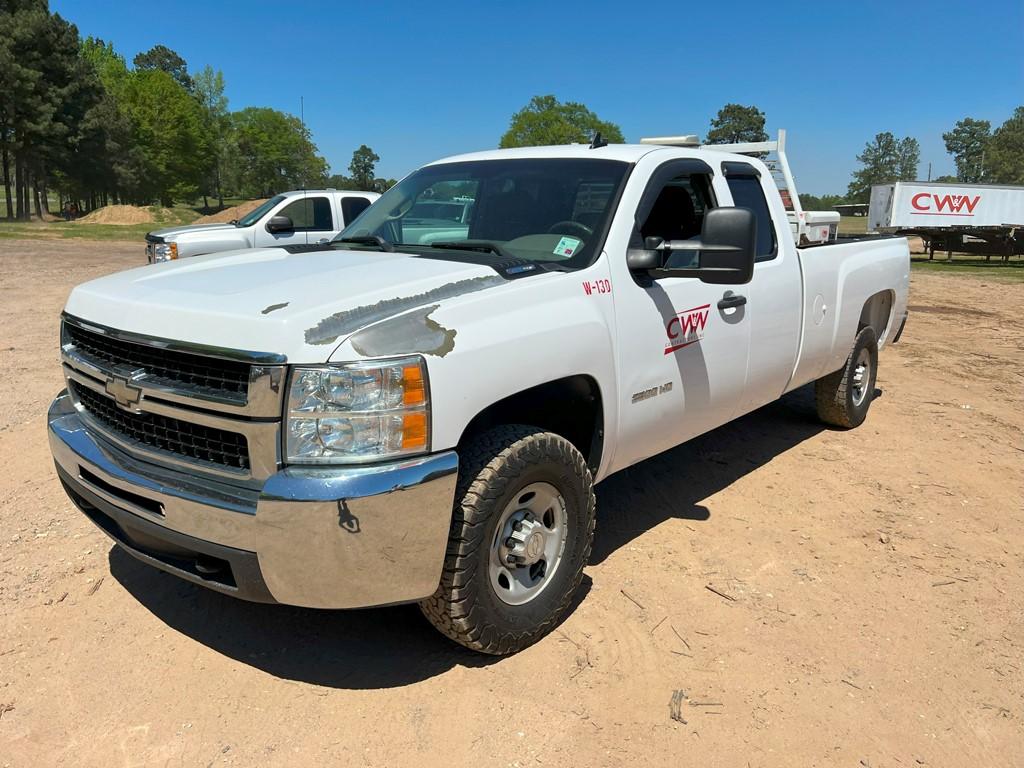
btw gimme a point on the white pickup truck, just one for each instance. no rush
(303, 217)
(399, 417)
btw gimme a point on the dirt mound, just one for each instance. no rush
(230, 214)
(118, 214)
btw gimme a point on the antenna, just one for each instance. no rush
(598, 141)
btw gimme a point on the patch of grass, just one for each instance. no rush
(853, 225)
(77, 230)
(973, 265)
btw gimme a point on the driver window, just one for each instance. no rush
(309, 214)
(678, 214)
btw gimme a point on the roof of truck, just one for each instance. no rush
(342, 192)
(629, 153)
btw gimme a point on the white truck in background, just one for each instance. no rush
(302, 217)
(420, 413)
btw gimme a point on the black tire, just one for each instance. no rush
(836, 395)
(494, 467)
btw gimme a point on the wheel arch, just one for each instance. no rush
(571, 406)
(877, 314)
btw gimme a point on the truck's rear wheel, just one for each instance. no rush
(843, 397)
(521, 533)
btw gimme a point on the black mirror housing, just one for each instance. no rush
(279, 224)
(727, 247)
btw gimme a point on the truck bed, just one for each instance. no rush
(838, 280)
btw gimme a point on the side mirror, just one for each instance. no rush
(727, 247)
(280, 224)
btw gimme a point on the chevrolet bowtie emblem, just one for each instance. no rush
(125, 394)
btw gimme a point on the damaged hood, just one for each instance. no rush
(267, 300)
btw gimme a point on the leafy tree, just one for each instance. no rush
(822, 203)
(209, 91)
(169, 126)
(946, 179)
(1005, 158)
(275, 152)
(736, 124)
(546, 121)
(162, 58)
(883, 160)
(364, 160)
(967, 143)
(48, 89)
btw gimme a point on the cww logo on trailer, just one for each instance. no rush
(943, 205)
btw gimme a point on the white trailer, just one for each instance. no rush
(978, 218)
(808, 227)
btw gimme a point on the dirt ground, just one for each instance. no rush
(232, 213)
(820, 597)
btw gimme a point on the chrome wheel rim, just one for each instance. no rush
(528, 544)
(861, 376)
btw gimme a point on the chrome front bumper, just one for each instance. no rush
(335, 537)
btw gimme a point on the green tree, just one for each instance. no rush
(883, 160)
(209, 91)
(169, 128)
(364, 160)
(545, 121)
(48, 90)
(275, 153)
(162, 58)
(967, 143)
(736, 124)
(1005, 159)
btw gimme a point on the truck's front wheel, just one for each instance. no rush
(843, 397)
(521, 533)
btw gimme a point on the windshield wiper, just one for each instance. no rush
(474, 245)
(377, 240)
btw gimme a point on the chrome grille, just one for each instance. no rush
(205, 375)
(208, 409)
(183, 438)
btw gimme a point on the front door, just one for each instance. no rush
(312, 221)
(683, 344)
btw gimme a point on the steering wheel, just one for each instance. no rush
(558, 228)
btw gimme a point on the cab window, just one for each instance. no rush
(309, 214)
(678, 214)
(747, 193)
(351, 207)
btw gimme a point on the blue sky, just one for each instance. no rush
(418, 81)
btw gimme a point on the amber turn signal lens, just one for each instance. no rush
(414, 388)
(414, 431)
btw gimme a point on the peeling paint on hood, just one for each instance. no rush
(340, 324)
(406, 334)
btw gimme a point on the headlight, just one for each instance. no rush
(165, 251)
(358, 412)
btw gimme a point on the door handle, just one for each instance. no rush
(729, 302)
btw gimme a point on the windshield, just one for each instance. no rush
(258, 213)
(542, 209)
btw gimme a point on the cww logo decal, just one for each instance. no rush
(686, 328)
(944, 205)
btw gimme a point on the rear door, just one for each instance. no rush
(775, 294)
